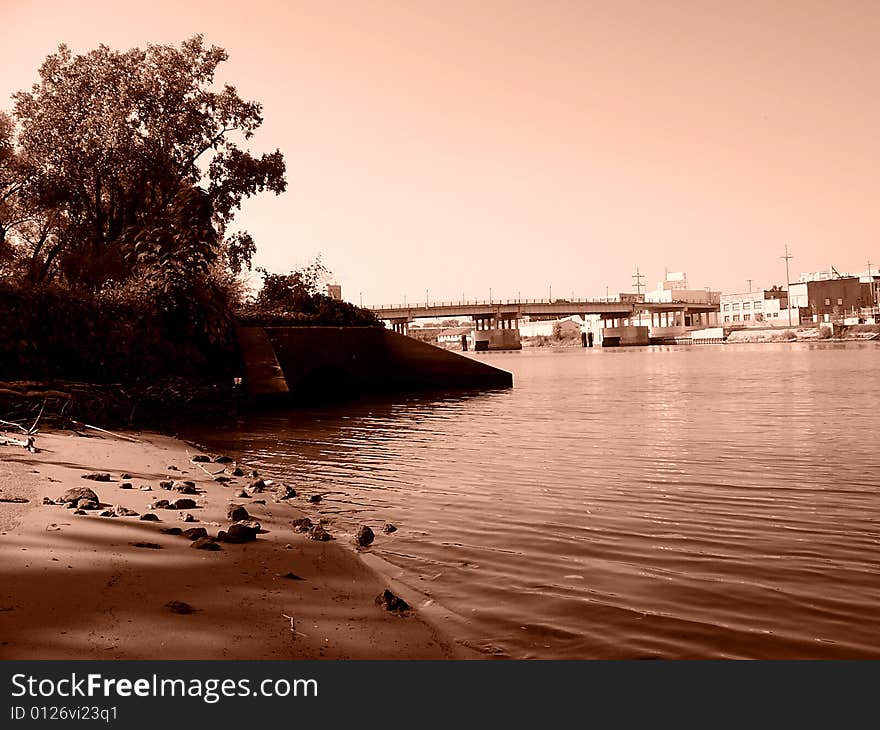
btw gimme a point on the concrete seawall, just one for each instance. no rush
(339, 362)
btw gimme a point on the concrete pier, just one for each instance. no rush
(317, 363)
(493, 332)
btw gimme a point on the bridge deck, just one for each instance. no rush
(520, 308)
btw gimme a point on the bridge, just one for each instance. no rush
(496, 322)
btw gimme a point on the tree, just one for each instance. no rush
(293, 292)
(13, 177)
(296, 299)
(121, 145)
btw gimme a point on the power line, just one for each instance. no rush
(787, 257)
(637, 279)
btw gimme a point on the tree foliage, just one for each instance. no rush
(291, 292)
(296, 299)
(122, 147)
(13, 178)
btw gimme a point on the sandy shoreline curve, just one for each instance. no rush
(88, 587)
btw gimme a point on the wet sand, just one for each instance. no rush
(75, 587)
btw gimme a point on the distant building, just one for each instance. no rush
(758, 308)
(544, 328)
(675, 288)
(334, 291)
(630, 298)
(453, 335)
(828, 300)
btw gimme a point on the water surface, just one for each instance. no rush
(709, 501)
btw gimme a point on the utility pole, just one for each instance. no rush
(637, 278)
(426, 297)
(361, 297)
(787, 257)
(750, 285)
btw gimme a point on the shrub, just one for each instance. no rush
(294, 300)
(49, 331)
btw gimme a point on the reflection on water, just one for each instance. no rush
(715, 501)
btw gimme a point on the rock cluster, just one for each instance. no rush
(75, 494)
(205, 543)
(181, 607)
(240, 531)
(236, 512)
(319, 533)
(392, 603)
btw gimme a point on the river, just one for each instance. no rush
(677, 502)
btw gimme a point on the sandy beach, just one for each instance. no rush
(82, 586)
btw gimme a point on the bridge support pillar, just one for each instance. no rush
(497, 331)
(401, 326)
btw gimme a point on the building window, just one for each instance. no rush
(735, 306)
(736, 318)
(726, 307)
(759, 305)
(827, 302)
(747, 305)
(726, 317)
(839, 301)
(747, 316)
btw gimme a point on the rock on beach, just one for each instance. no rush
(75, 494)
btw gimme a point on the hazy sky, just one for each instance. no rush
(458, 146)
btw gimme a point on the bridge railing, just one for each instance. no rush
(490, 302)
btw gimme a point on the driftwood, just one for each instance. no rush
(210, 474)
(293, 627)
(14, 425)
(109, 433)
(36, 393)
(28, 443)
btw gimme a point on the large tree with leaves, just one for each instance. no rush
(134, 161)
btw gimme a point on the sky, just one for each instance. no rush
(450, 148)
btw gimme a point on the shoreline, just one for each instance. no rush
(91, 587)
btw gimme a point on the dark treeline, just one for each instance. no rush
(120, 177)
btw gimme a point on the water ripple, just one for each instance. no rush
(669, 502)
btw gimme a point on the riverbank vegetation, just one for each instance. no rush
(120, 176)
